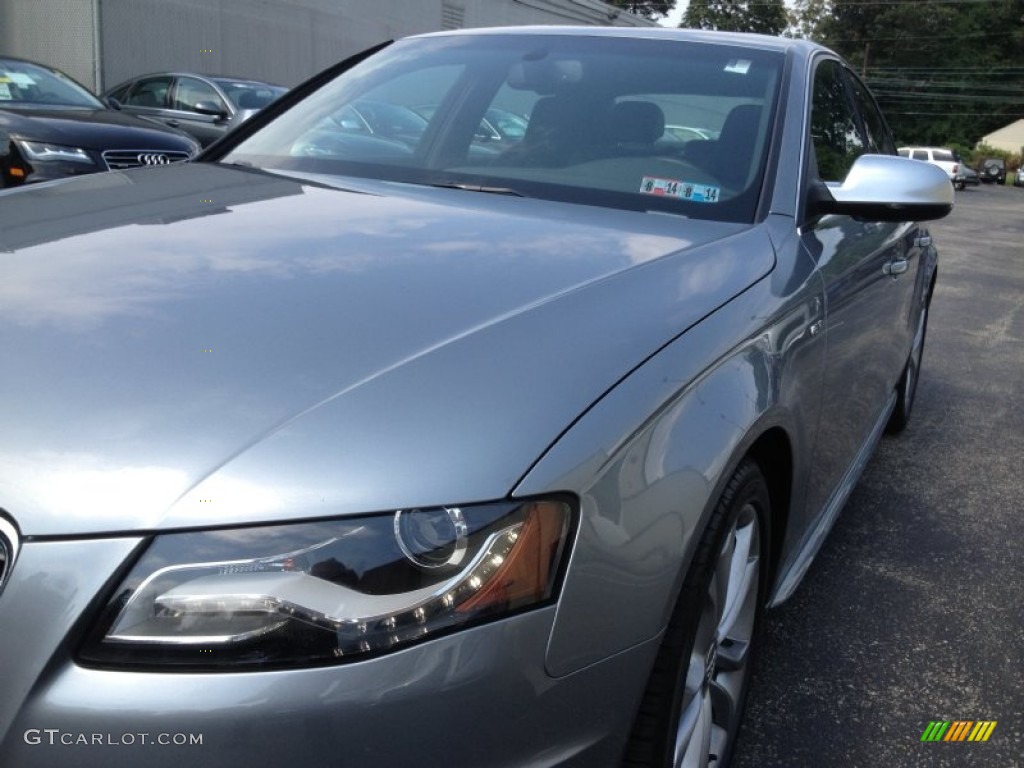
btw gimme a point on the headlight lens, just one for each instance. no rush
(329, 591)
(38, 152)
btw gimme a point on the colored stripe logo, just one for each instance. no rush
(958, 730)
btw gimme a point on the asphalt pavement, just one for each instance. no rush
(913, 613)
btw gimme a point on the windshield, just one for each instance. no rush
(27, 85)
(639, 124)
(246, 94)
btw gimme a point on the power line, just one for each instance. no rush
(946, 114)
(903, 39)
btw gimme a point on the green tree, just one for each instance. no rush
(944, 73)
(768, 17)
(649, 9)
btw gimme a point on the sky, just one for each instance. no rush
(673, 19)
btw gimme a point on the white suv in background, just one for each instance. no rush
(943, 158)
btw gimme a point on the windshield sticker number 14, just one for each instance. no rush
(685, 190)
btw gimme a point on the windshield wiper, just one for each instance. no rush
(479, 188)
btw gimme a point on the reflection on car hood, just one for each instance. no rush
(97, 129)
(199, 345)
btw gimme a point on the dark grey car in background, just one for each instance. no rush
(206, 106)
(333, 449)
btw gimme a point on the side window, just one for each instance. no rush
(120, 92)
(920, 154)
(879, 139)
(189, 91)
(149, 92)
(834, 130)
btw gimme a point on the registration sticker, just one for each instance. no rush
(684, 190)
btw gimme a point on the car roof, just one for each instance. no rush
(5, 57)
(200, 75)
(747, 39)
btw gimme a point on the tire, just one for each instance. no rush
(691, 709)
(906, 388)
(959, 185)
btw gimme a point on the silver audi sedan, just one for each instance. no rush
(337, 449)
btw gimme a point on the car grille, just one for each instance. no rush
(117, 159)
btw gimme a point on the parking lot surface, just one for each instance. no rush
(912, 612)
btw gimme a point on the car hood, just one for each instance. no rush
(97, 129)
(202, 345)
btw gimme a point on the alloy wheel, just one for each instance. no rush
(719, 663)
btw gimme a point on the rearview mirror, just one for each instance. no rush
(545, 76)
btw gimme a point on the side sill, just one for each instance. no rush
(791, 578)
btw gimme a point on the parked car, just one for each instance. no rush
(325, 448)
(498, 127)
(207, 106)
(381, 119)
(52, 126)
(1018, 177)
(993, 169)
(966, 176)
(686, 133)
(943, 158)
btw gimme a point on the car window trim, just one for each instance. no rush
(813, 177)
(173, 98)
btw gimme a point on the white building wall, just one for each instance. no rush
(1009, 138)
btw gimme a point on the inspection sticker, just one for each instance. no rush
(685, 190)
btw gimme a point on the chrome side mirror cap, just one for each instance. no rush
(888, 188)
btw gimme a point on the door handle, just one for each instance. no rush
(173, 123)
(895, 267)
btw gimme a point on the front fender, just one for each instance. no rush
(648, 483)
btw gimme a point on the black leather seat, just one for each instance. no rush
(729, 157)
(634, 126)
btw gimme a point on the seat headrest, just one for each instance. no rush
(636, 122)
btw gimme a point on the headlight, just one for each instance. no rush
(38, 152)
(328, 591)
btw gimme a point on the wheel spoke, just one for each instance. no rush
(693, 748)
(736, 621)
(725, 692)
(693, 733)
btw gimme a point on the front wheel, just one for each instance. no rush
(693, 704)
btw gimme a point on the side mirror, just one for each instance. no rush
(888, 188)
(209, 108)
(112, 102)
